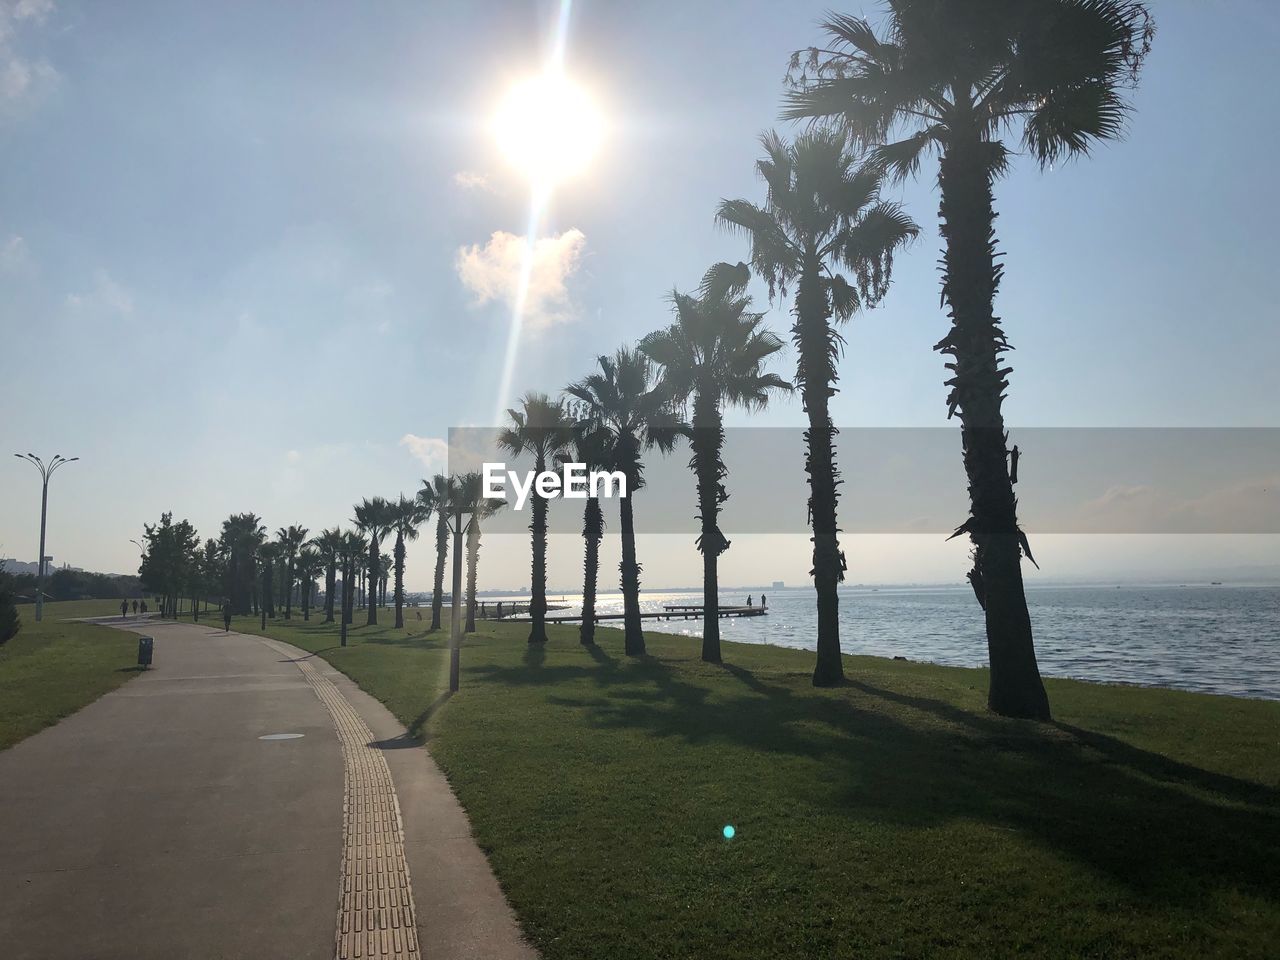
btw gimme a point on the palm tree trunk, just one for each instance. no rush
(538, 598)
(399, 564)
(306, 601)
(330, 584)
(592, 530)
(975, 342)
(288, 590)
(816, 374)
(346, 600)
(455, 626)
(633, 635)
(442, 553)
(473, 560)
(373, 582)
(708, 436)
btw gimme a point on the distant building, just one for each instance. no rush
(779, 585)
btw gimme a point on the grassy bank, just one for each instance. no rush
(52, 669)
(891, 818)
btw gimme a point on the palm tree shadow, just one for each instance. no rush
(417, 728)
(1164, 828)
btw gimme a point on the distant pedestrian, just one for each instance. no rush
(226, 618)
(124, 609)
(748, 600)
(418, 614)
(144, 606)
(135, 608)
(763, 603)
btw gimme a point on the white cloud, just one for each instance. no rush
(22, 79)
(492, 272)
(472, 180)
(431, 451)
(107, 296)
(14, 254)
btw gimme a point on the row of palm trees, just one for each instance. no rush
(941, 78)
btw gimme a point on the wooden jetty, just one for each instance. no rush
(676, 611)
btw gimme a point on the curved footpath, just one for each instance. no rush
(157, 821)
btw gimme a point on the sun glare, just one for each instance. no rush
(548, 128)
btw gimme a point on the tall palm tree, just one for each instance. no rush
(633, 413)
(373, 519)
(407, 515)
(353, 548)
(822, 214)
(952, 79)
(542, 430)
(383, 577)
(310, 563)
(713, 356)
(290, 540)
(589, 450)
(434, 495)
(268, 554)
(329, 544)
(464, 496)
(481, 509)
(242, 534)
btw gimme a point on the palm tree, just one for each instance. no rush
(543, 430)
(290, 539)
(329, 544)
(822, 213)
(373, 519)
(383, 577)
(407, 515)
(242, 534)
(481, 508)
(952, 78)
(633, 414)
(434, 495)
(310, 564)
(353, 547)
(464, 496)
(714, 355)
(268, 553)
(588, 449)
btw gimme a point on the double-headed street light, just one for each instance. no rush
(46, 471)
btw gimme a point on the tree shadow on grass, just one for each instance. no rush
(1166, 829)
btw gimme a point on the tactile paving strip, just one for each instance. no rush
(375, 905)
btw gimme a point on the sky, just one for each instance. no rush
(260, 257)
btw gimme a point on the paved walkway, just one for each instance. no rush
(157, 822)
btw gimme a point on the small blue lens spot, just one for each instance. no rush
(729, 831)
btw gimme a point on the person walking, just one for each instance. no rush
(124, 609)
(226, 618)
(135, 608)
(748, 601)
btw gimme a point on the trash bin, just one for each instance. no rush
(145, 645)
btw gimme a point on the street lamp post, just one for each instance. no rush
(46, 471)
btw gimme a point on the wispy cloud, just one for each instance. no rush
(472, 180)
(432, 452)
(22, 78)
(107, 296)
(492, 272)
(14, 254)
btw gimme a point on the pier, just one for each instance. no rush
(676, 611)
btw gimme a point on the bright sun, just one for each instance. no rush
(548, 128)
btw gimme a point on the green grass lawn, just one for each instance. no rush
(51, 669)
(66, 609)
(893, 817)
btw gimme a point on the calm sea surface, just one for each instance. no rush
(1215, 639)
